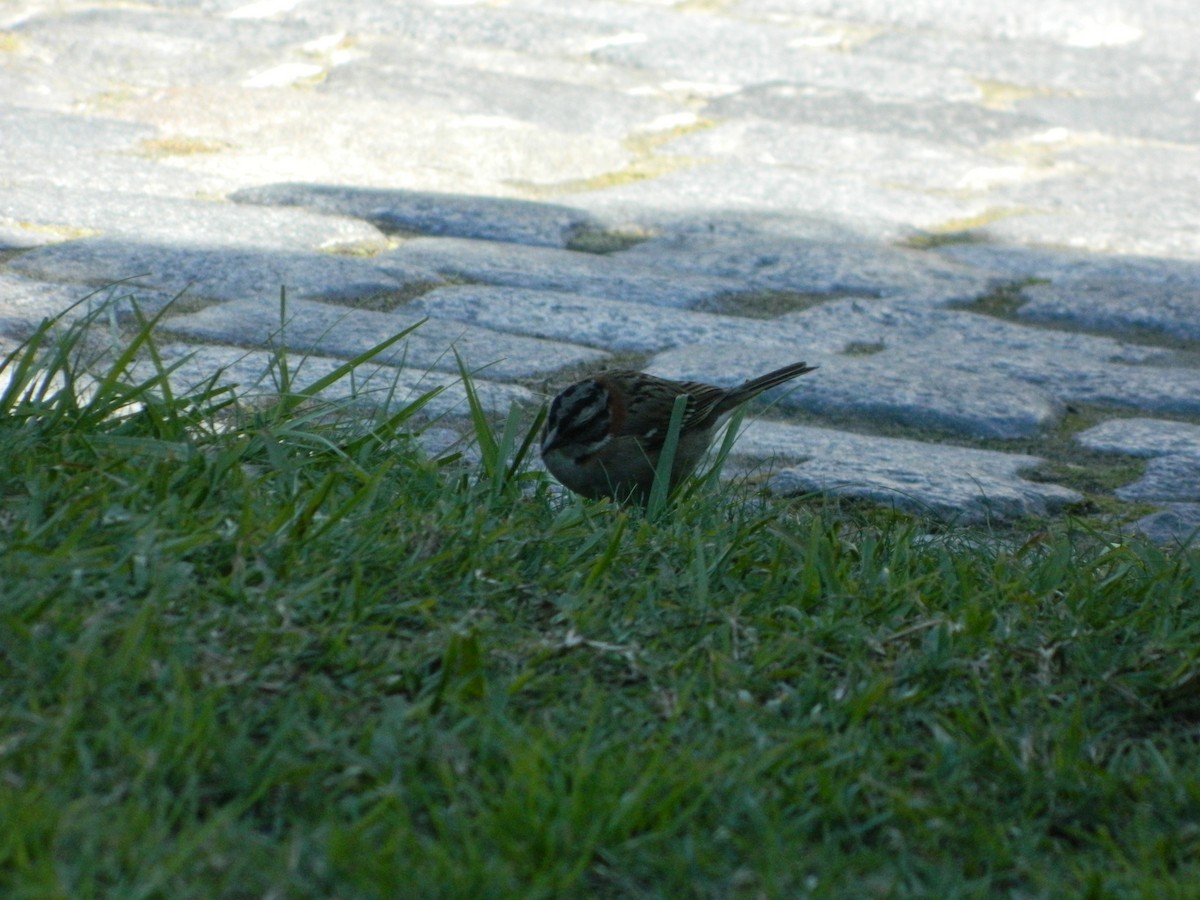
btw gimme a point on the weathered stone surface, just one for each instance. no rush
(394, 73)
(529, 29)
(817, 267)
(54, 149)
(272, 138)
(1174, 479)
(955, 483)
(738, 50)
(727, 189)
(1059, 22)
(1066, 366)
(1173, 473)
(1116, 306)
(172, 221)
(340, 331)
(253, 374)
(1178, 523)
(1067, 266)
(881, 388)
(217, 273)
(903, 361)
(168, 51)
(967, 124)
(542, 268)
(1034, 68)
(877, 161)
(24, 235)
(1165, 119)
(432, 213)
(1081, 208)
(25, 303)
(610, 324)
(1142, 437)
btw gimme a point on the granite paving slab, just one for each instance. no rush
(544, 268)
(879, 388)
(956, 483)
(813, 266)
(957, 123)
(267, 135)
(1142, 437)
(1116, 306)
(432, 213)
(613, 325)
(721, 190)
(175, 222)
(1177, 524)
(399, 73)
(332, 330)
(26, 302)
(1173, 473)
(52, 149)
(901, 361)
(218, 273)
(252, 374)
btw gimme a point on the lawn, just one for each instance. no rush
(277, 649)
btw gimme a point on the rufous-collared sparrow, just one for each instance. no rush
(604, 435)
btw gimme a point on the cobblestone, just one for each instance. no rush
(973, 218)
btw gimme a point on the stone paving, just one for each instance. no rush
(982, 221)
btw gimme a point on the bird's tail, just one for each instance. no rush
(756, 386)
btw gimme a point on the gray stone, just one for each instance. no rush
(399, 73)
(891, 388)
(1061, 22)
(253, 374)
(1059, 265)
(1142, 437)
(1151, 117)
(816, 267)
(217, 273)
(906, 362)
(1035, 67)
(1067, 366)
(55, 150)
(1173, 473)
(1117, 306)
(956, 483)
(737, 50)
(612, 325)
(271, 137)
(545, 31)
(884, 162)
(727, 189)
(340, 331)
(98, 44)
(965, 124)
(542, 268)
(432, 213)
(25, 303)
(1174, 479)
(1070, 198)
(25, 236)
(1178, 523)
(172, 221)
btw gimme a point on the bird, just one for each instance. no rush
(604, 435)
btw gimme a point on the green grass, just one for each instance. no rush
(279, 651)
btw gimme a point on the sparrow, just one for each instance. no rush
(604, 435)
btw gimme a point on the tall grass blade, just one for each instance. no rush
(661, 489)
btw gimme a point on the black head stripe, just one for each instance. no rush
(579, 416)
